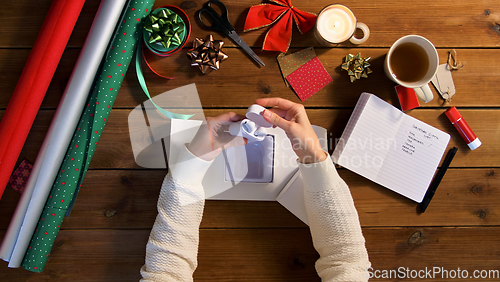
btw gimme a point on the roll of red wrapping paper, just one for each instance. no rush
(34, 82)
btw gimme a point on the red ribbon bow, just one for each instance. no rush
(278, 38)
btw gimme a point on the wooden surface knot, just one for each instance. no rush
(482, 214)
(496, 28)
(125, 181)
(110, 213)
(186, 5)
(264, 88)
(415, 238)
(476, 189)
(296, 262)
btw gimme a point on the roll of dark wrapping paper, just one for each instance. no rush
(86, 136)
(60, 133)
(34, 82)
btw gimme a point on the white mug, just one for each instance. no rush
(336, 24)
(429, 52)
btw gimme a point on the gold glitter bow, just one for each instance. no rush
(165, 27)
(207, 54)
(356, 66)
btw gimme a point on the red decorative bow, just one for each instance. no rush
(278, 38)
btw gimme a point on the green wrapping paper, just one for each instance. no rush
(86, 136)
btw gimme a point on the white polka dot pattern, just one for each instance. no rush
(86, 136)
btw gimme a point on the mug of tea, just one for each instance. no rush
(336, 24)
(412, 62)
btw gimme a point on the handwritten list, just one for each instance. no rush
(391, 148)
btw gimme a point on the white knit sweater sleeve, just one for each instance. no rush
(334, 224)
(172, 249)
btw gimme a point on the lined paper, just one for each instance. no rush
(391, 148)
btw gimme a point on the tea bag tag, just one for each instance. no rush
(443, 81)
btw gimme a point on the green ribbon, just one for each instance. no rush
(164, 28)
(86, 136)
(142, 82)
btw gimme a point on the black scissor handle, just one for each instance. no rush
(219, 22)
(214, 24)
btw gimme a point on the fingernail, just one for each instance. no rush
(267, 114)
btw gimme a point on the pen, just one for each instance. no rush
(434, 185)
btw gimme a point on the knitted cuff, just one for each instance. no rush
(189, 169)
(319, 176)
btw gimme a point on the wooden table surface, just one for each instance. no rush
(105, 237)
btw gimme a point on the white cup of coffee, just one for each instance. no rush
(412, 62)
(336, 24)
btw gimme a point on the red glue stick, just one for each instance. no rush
(463, 128)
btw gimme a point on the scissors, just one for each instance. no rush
(221, 23)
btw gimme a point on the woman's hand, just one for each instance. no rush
(292, 118)
(213, 136)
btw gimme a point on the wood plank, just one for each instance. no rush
(466, 197)
(11, 66)
(461, 24)
(115, 150)
(227, 88)
(464, 24)
(126, 199)
(448, 248)
(108, 155)
(97, 255)
(246, 240)
(20, 22)
(264, 255)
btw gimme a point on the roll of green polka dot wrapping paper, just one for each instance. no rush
(86, 136)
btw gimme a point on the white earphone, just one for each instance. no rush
(253, 127)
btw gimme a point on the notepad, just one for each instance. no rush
(393, 149)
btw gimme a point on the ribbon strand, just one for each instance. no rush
(167, 30)
(142, 82)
